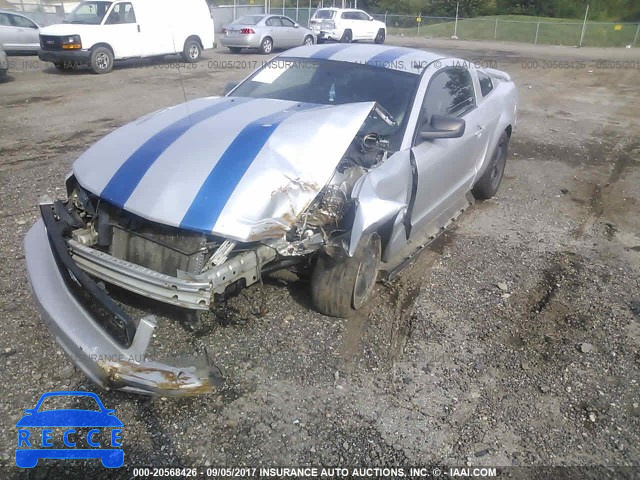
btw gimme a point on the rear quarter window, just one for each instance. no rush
(486, 84)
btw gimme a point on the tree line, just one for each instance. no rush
(603, 10)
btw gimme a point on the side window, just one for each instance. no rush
(450, 92)
(4, 20)
(362, 16)
(286, 22)
(273, 22)
(486, 85)
(346, 16)
(121, 13)
(22, 22)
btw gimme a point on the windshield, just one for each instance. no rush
(330, 82)
(69, 402)
(90, 13)
(248, 20)
(323, 14)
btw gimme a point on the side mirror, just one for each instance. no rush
(295, 25)
(443, 126)
(371, 19)
(228, 87)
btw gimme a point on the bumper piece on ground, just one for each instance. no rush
(103, 359)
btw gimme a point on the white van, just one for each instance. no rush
(98, 32)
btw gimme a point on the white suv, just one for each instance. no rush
(346, 25)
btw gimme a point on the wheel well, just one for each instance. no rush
(508, 130)
(309, 36)
(106, 45)
(196, 38)
(265, 37)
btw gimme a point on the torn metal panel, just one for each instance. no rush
(381, 195)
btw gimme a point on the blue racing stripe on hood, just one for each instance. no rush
(330, 50)
(383, 59)
(130, 173)
(229, 170)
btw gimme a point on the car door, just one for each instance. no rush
(274, 30)
(122, 31)
(445, 167)
(362, 25)
(27, 35)
(293, 36)
(6, 31)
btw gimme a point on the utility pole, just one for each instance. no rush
(584, 26)
(455, 27)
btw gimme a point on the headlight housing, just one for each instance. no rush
(71, 42)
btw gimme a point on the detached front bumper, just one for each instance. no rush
(103, 359)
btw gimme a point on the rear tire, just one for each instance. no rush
(380, 37)
(266, 46)
(101, 60)
(339, 287)
(347, 36)
(489, 183)
(235, 49)
(192, 50)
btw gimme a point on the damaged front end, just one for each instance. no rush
(84, 242)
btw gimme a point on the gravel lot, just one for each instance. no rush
(514, 340)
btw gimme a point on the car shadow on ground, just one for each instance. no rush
(131, 63)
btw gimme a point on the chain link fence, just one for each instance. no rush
(507, 28)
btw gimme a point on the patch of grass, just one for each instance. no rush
(519, 28)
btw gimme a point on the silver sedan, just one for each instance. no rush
(18, 34)
(265, 32)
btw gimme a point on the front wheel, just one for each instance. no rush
(488, 184)
(101, 60)
(339, 287)
(308, 40)
(192, 51)
(380, 37)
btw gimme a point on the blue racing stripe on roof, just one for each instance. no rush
(219, 185)
(383, 59)
(330, 50)
(126, 179)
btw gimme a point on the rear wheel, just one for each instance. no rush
(488, 184)
(339, 287)
(380, 37)
(347, 36)
(101, 60)
(266, 47)
(235, 49)
(192, 50)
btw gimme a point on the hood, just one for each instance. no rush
(61, 29)
(240, 168)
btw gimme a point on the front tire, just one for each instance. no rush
(380, 37)
(101, 60)
(192, 50)
(266, 46)
(339, 287)
(308, 40)
(488, 184)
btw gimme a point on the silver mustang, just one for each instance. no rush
(339, 160)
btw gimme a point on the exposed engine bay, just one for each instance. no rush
(195, 270)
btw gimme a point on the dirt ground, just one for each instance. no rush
(514, 340)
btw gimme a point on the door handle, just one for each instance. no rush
(138, 28)
(479, 130)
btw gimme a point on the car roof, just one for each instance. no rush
(404, 59)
